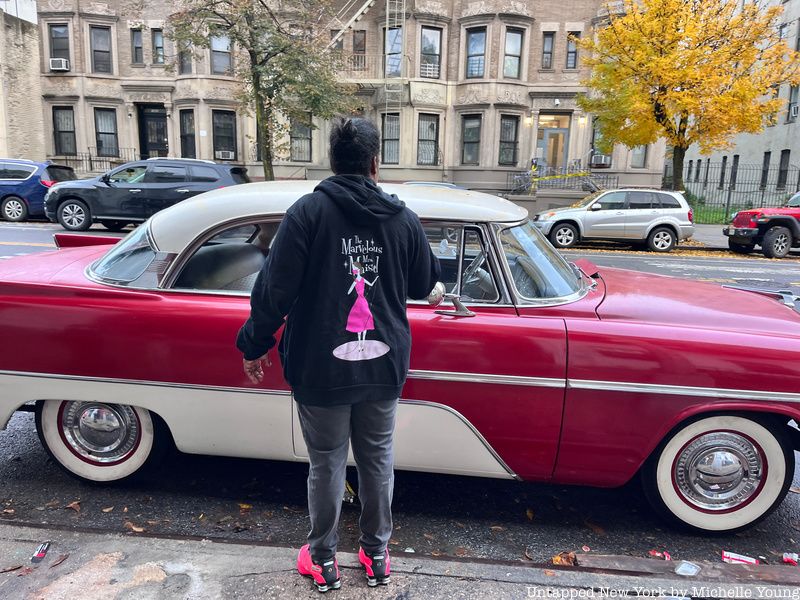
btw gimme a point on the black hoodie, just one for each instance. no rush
(343, 263)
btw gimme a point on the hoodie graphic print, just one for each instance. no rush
(342, 265)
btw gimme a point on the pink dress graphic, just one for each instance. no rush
(360, 318)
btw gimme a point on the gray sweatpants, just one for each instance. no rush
(369, 427)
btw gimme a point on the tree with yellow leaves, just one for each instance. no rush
(689, 71)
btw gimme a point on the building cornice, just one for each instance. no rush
(432, 18)
(56, 14)
(98, 18)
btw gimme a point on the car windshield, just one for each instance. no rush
(794, 201)
(538, 271)
(586, 201)
(128, 260)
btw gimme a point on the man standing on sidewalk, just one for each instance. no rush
(343, 263)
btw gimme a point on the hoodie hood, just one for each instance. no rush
(360, 198)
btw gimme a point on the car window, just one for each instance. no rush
(14, 171)
(134, 174)
(466, 267)
(166, 174)
(794, 201)
(638, 200)
(239, 175)
(668, 201)
(611, 201)
(56, 173)
(128, 260)
(201, 173)
(537, 269)
(229, 261)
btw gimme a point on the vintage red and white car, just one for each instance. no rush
(533, 368)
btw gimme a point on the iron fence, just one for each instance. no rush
(717, 190)
(552, 178)
(88, 162)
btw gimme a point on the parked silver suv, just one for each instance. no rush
(657, 217)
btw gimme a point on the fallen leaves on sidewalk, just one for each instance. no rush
(8, 511)
(59, 560)
(428, 536)
(52, 504)
(76, 506)
(108, 509)
(9, 569)
(549, 573)
(529, 514)
(245, 508)
(567, 559)
(795, 489)
(461, 551)
(527, 555)
(497, 528)
(25, 571)
(133, 528)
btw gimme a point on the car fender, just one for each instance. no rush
(670, 222)
(572, 220)
(790, 223)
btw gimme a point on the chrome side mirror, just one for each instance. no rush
(596, 206)
(436, 297)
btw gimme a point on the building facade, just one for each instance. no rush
(463, 91)
(21, 128)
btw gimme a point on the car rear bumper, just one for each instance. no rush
(685, 232)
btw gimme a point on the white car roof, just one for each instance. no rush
(174, 228)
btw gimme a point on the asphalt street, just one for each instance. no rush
(264, 502)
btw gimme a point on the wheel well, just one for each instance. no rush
(789, 223)
(669, 226)
(569, 222)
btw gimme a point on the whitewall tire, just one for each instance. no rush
(720, 473)
(95, 441)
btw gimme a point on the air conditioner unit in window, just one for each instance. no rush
(600, 160)
(794, 111)
(59, 64)
(224, 155)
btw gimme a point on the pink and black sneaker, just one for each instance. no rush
(376, 565)
(325, 575)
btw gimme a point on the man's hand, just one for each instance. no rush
(254, 369)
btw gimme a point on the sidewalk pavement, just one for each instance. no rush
(711, 236)
(100, 566)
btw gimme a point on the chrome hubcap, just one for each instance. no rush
(781, 243)
(13, 209)
(103, 433)
(662, 240)
(565, 236)
(719, 471)
(73, 215)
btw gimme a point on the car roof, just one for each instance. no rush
(174, 228)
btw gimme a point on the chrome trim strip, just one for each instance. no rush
(681, 390)
(487, 378)
(466, 422)
(169, 384)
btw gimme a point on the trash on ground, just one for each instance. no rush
(244, 508)
(687, 569)
(107, 509)
(795, 489)
(790, 558)
(40, 553)
(738, 559)
(586, 548)
(565, 558)
(410, 550)
(350, 496)
(59, 560)
(659, 554)
(8, 511)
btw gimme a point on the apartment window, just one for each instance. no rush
(765, 170)
(734, 171)
(428, 140)
(105, 127)
(476, 52)
(393, 46)
(188, 148)
(722, 168)
(158, 47)
(390, 139)
(59, 41)
(137, 51)
(360, 50)
(509, 142)
(185, 60)
(639, 157)
(64, 131)
(100, 39)
(470, 139)
(689, 171)
(339, 45)
(572, 49)
(697, 170)
(224, 130)
(782, 28)
(547, 49)
(512, 63)
(783, 170)
(430, 61)
(792, 107)
(221, 55)
(300, 141)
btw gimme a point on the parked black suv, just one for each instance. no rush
(135, 191)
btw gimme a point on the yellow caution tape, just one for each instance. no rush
(560, 176)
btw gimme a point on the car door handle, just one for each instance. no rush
(183, 191)
(134, 191)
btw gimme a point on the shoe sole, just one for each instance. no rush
(375, 582)
(323, 588)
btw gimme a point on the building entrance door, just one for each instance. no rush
(552, 140)
(153, 140)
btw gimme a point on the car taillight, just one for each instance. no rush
(47, 182)
(691, 216)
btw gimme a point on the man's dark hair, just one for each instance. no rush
(354, 143)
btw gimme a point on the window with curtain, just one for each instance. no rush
(470, 139)
(547, 49)
(221, 63)
(639, 157)
(512, 63)
(59, 40)
(509, 142)
(137, 50)
(224, 131)
(430, 60)
(390, 139)
(100, 40)
(427, 139)
(105, 126)
(158, 46)
(393, 46)
(476, 52)
(188, 149)
(572, 49)
(64, 130)
(300, 141)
